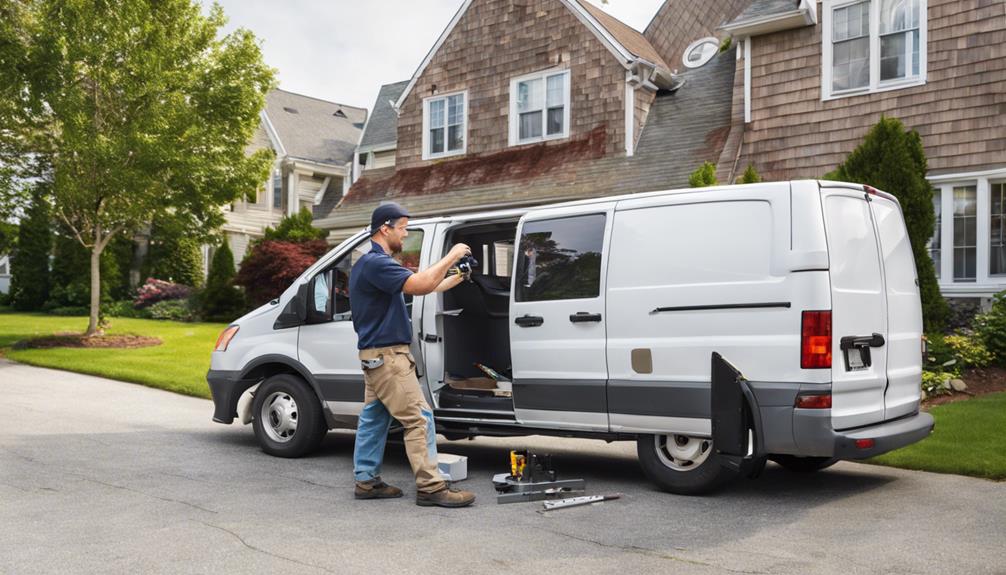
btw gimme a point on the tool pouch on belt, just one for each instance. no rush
(372, 363)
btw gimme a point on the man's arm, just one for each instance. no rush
(449, 283)
(428, 280)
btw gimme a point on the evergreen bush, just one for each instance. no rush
(29, 288)
(892, 159)
(221, 300)
(704, 176)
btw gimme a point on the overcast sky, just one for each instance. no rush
(344, 50)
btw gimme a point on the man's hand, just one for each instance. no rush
(458, 251)
(428, 280)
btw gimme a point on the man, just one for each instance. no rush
(376, 286)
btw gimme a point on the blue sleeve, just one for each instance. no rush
(387, 275)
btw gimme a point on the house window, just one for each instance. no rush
(277, 189)
(873, 45)
(445, 125)
(997, 221)
(965, 233)
(935, 244)
(539, 107)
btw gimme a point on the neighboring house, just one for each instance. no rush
(5, 274)
(523, 102)
(314, 141)
(821, 74)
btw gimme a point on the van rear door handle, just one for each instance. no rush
(851, 341)
(582, 316)
(529, 320)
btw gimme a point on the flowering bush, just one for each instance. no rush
(271, 266)
(155, 290)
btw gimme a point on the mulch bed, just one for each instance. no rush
(979, 381)
(124, 341)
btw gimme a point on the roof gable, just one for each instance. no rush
(622, 41)
(382, 126)
(313, 129)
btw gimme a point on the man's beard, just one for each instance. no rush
(395, 245)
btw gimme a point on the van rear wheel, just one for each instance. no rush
(287, 417)
(682, 464)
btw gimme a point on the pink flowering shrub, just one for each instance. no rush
(155, 290)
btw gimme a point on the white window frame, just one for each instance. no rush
(543, 75)
(427, 154)
(985, 284)
(875, 84)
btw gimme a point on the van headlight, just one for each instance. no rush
(225, 338)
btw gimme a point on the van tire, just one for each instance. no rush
(292, 424)
(799, 464)
(707, 475)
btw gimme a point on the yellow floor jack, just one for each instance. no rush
(532, 478)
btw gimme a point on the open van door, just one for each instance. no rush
(904, 309)
(859, 308)
(557, 318)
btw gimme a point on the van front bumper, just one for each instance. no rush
(226, 388)
(815, 437)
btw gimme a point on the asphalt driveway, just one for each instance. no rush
(98, 476)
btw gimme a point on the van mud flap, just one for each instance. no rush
(735, 419)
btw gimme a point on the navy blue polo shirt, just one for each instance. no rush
(376, 300)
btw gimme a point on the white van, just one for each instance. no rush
(717, 327)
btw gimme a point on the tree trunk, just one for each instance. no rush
(92, 325)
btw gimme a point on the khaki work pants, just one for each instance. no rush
(394, 384)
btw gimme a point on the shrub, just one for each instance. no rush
(29, 265)
(936, 383)
(892, 159)
(73, 310)
(221, 300)
(124, 308)
(750, 176)
(297, 228)
(704, 176)
(990, 327)
(174, 254)
(970, 351)
(271, 266)
(173, 309)
(155, 290)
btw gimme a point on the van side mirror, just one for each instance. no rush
(295, 312)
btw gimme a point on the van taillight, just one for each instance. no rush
(815, 340)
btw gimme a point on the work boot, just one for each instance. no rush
(446, 497)
(376, 488)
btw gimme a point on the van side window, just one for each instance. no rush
(560, 259)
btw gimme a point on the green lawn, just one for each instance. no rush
(970, 436)
(969, 439)
(179, 364)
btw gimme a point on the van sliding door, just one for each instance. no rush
(557, 319)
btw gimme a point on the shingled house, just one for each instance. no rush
(523, 102)
(314, 141)
(821, 74)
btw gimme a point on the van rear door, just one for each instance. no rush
(904, 309)
(859, 309)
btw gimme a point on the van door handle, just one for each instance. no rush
(851, 341)
(529, 320)
(582, 316)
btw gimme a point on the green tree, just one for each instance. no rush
(29, 287)
(892, 159)
(750, 176)
(704, 176)
(174, 255)
(297, 228)
(143, 107)
(222, 300)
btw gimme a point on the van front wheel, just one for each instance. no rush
(288, 421)
(682, 464)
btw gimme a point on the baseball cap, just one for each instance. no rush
(384, 214)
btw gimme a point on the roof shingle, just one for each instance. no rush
(313, 129)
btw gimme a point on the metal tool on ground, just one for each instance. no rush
(532, 478)
(577, 501)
